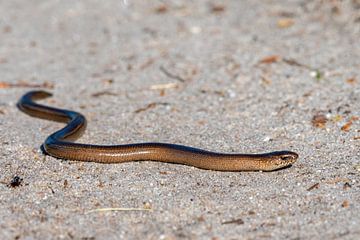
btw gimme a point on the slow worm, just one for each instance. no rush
(60, 145)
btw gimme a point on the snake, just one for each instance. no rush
(61, 144)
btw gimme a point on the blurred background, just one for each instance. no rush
(228, 76)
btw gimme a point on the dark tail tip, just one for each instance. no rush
(38, 95)
(30, 97)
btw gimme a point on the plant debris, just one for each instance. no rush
(316, 74)
(315, 186)
(285, 22)
(102, 93)
(108, 81)
(161, 9)
(118, 209)
(270, 59)
(217, 8)
(164, 86)
(23, 84)
(345, 204)
(235, 221)
(346, 126)
(351, 80)
(265, 80)
(293, 62)
(149, 106)
(170, 75)
(319, 120)
(51, 189)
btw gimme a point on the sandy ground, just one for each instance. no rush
(229, 76)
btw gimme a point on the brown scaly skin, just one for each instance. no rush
(60, 145)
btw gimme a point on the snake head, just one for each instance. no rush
(280, 160)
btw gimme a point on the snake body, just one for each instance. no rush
(60, 145)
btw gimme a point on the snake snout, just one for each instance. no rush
(289, 157)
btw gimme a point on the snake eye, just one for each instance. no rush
(286, 158)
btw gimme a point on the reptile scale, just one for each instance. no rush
(60, 145)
